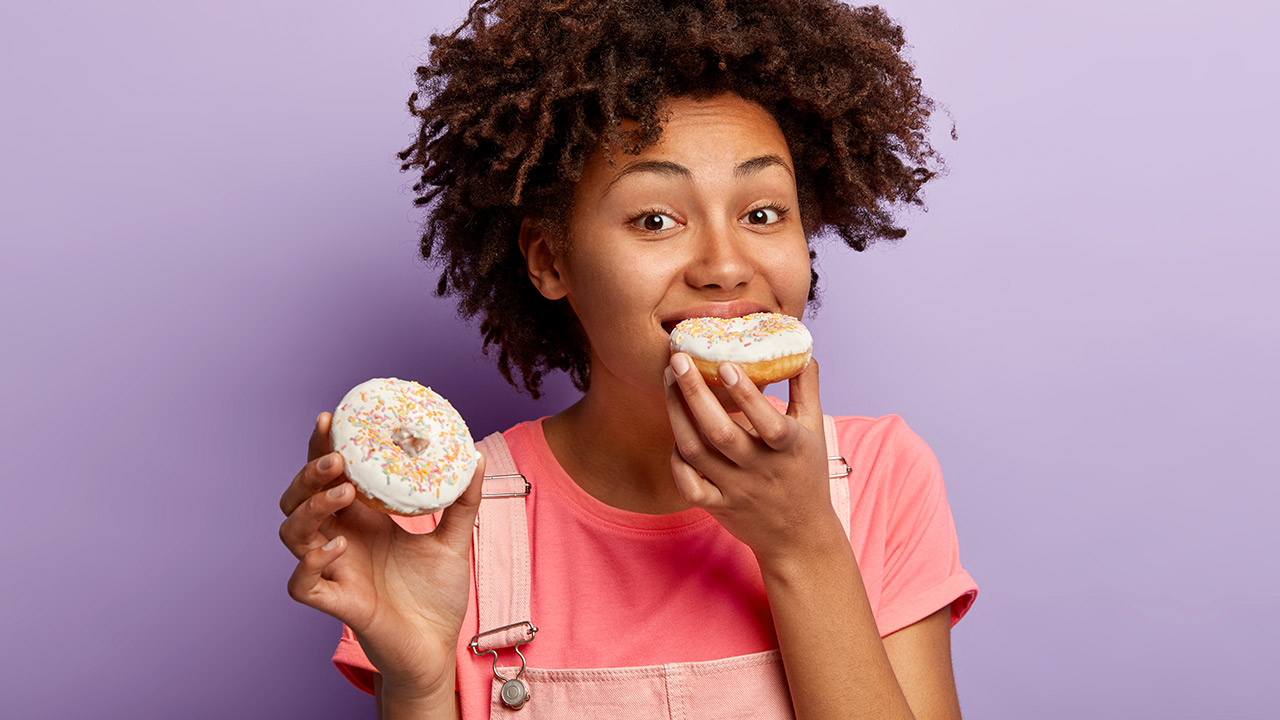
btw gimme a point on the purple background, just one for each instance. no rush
(206, 241)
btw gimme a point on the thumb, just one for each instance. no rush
(458, 519)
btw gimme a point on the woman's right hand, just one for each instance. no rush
(403, 595)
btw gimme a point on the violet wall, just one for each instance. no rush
(206, 241)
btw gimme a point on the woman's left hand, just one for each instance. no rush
(767, 486)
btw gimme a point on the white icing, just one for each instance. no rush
(751, 338)
(379, 420)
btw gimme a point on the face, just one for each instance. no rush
(705, 222)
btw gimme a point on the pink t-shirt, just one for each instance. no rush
(612, 588)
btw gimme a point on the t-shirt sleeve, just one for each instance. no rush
(922, 571)
(351, 661)
(349, 657)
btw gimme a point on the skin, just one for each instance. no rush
(719, 165)
(403, 595)
(705, 222)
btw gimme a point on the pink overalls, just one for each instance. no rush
(749, 686)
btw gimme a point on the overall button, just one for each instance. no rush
(514, 694)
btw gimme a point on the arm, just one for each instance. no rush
(921, 657)
(768, 487)
(394, 705)
(829, 640)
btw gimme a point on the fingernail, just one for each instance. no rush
(680, 363)
(728, 375)
(669, 376)
(332, 543)
(326, 462)
(338, 491)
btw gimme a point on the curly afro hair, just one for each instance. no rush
(514, 101)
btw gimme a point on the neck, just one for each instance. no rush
(616, 444)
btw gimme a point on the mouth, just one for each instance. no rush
(720, 310)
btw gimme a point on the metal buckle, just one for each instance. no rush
(843, 462)
(514, 694)
(527, 488)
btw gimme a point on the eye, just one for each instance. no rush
(654, 222)
(764, 216)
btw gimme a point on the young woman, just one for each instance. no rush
(595, 173)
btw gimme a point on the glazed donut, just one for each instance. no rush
(769, 347)
(405, 448)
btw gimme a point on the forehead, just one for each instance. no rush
(709, 136)
(694, 127)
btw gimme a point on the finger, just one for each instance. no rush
(710, 417)
(319, 444)
(307, 584)
(458, 519)
(803, 404)
(313, 477)
(772, 427)
(690, 443)
(300, 532)
(695, 489)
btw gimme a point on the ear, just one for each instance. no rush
(541, 262)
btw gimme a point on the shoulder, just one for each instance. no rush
(889, 460)
(887, 436)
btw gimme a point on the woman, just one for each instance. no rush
(596, 172)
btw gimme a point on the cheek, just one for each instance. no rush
(608, 295)
(793, 274)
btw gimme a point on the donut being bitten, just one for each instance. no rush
(406, 450)
(769, 347)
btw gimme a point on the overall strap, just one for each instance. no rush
(501, 546)
(838, 472)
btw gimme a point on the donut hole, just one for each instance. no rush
(411, 440)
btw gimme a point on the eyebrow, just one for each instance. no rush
(755, 165)
(676, 170)
(660, 167)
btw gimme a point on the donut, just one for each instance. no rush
(405, 448)
(769, 347)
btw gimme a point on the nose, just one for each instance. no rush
(721, 259)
